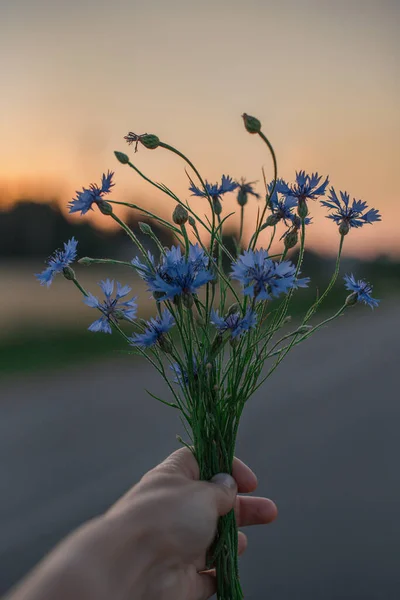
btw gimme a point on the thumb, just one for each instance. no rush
(223, 488)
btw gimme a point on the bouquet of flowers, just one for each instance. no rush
(217, 333)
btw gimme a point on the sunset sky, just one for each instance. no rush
(322, 76)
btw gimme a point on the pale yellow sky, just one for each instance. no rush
(322, 76)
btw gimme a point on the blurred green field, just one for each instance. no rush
(53, 333)
(33, 350)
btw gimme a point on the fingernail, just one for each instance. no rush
(224, 479)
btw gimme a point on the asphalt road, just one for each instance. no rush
(322, 435)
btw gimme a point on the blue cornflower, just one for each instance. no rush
(215, 191)
(234, 322)
(155, 331)
(112, 308)
(362, 291)
(176, 275)
(58, 262)
(244, 190)
(307, 187)
(92, 195)
(264, 278)
(282, 208)
(346, 215)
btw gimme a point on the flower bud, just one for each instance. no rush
(242, 197)
(105, 207)
(145, 228)
(158, 295)
(303, 329)
(69, 273)
(150, 141)
(344, 228)
(252, 124)
(180, 215)
(272, 220)
(123, 158)
(351, 299)
(187, 300)
(291, 239)
(217, 206)
(302, 209)
(192, 222)
(85, 261)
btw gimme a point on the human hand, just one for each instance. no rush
(179, 514)
(152, 543)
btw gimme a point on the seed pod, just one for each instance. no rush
(252, 124)
(105, 207)
(123, 158)
(150, 141)
(180, 215)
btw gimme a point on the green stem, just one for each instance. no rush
(316, 305)
(148, 214)
(253, 240)
(133, 237)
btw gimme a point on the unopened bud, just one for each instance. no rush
(351, 299)
(123, 158)
(291, 239)
(303, 329)
(252, 124)
(344, 228)
(69, 273)
(187, 299)
(209, 366)
(150, 141)
(145, 228)
(105, 207)
(242, 197)
(192, 222)
(216, 388)
(85, 261)
(180, 215)
(272, 220)
(302, 209)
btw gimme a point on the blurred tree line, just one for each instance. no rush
(34, 230)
